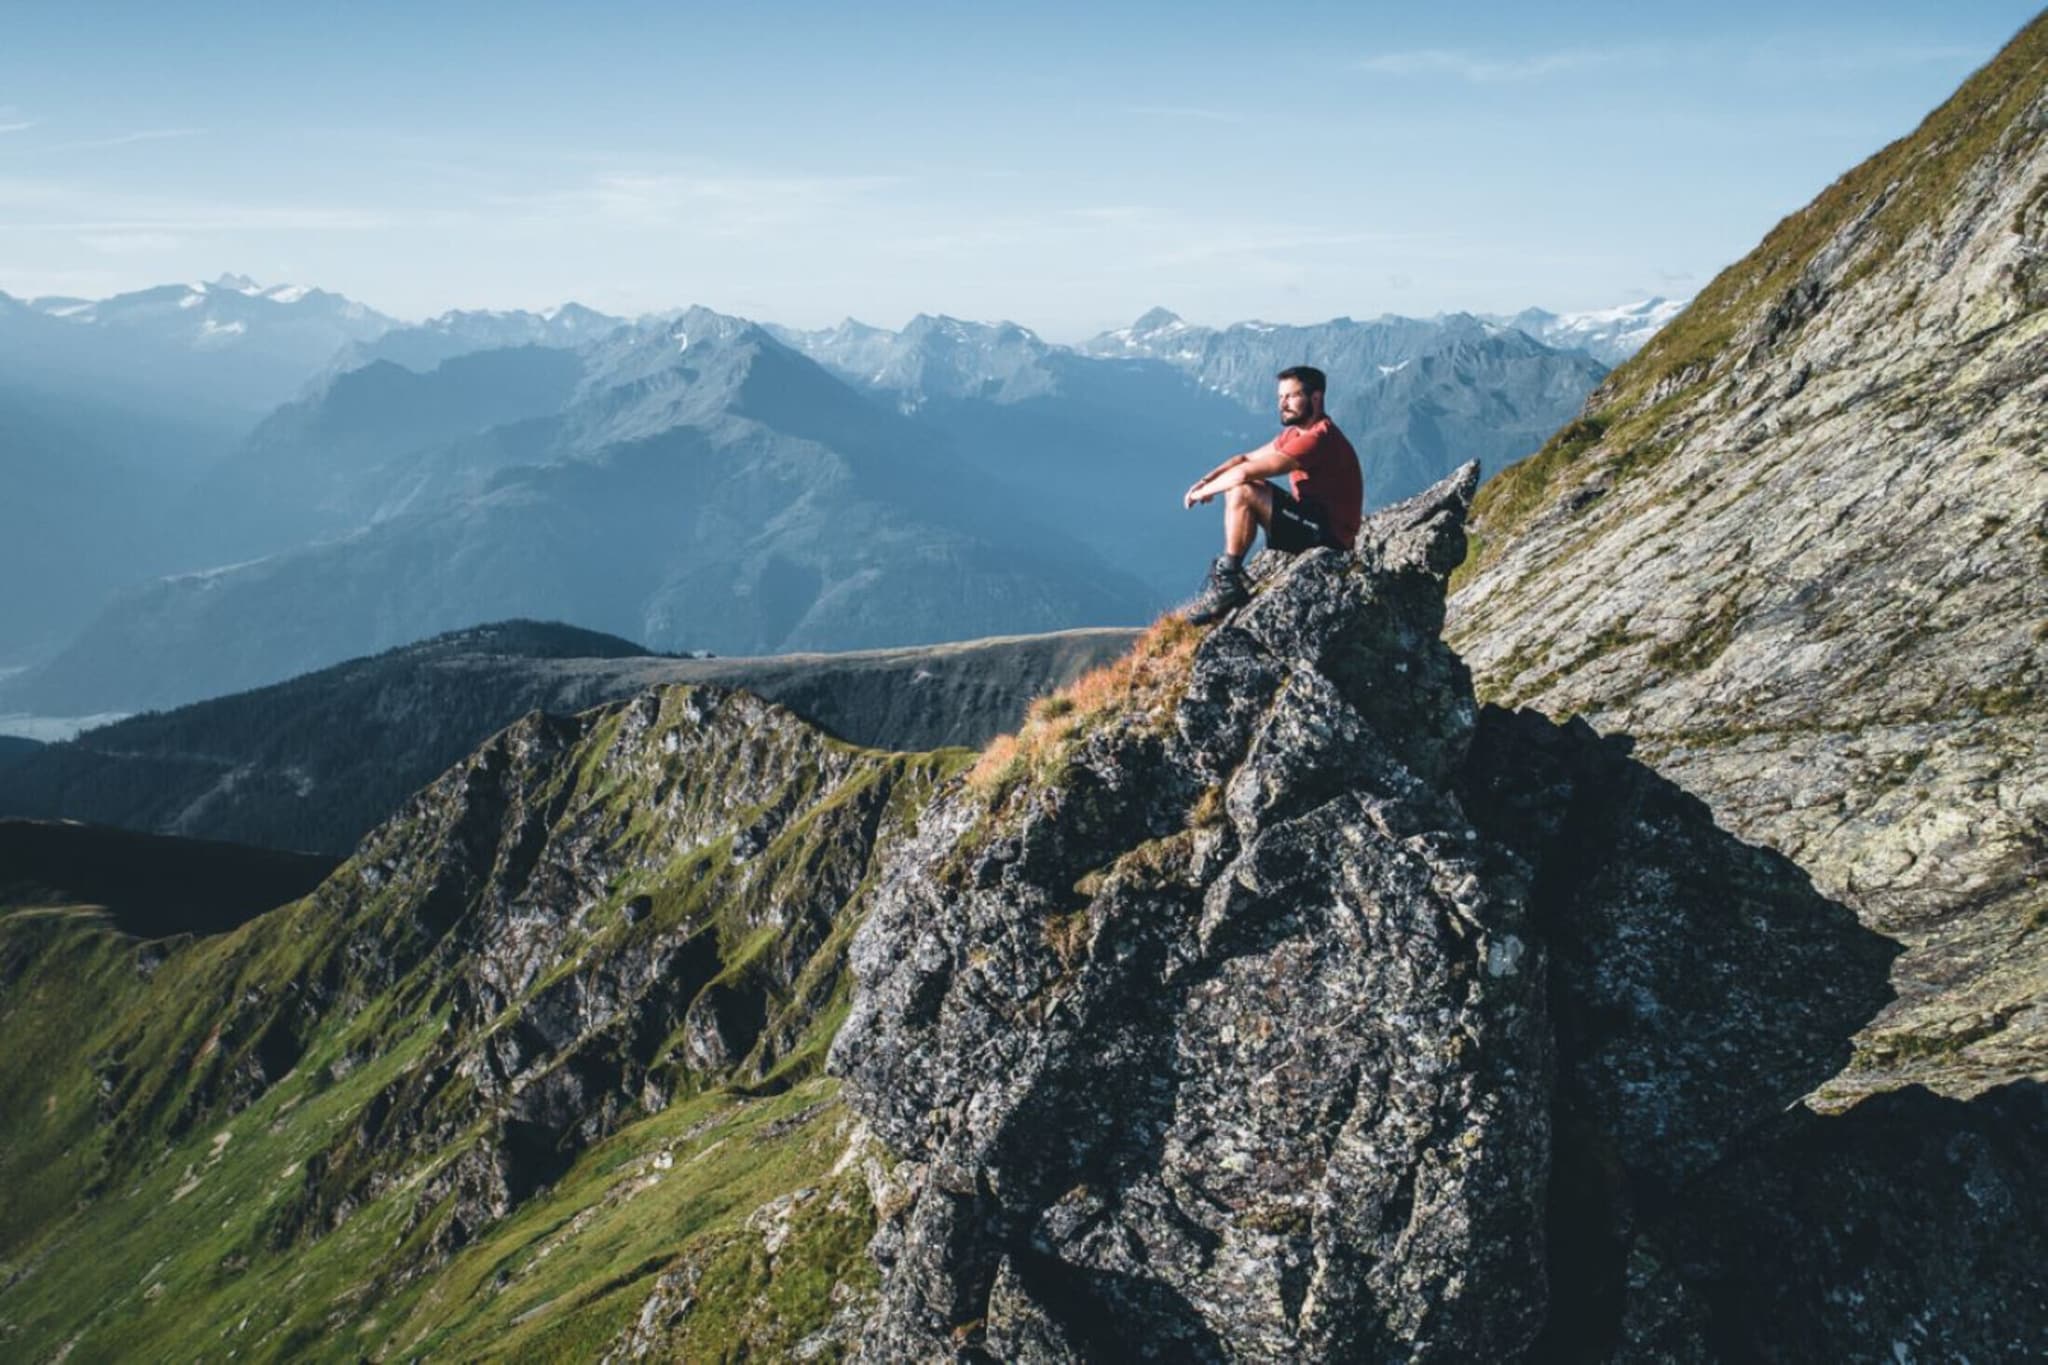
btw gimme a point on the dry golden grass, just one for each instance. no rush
(1149, 678)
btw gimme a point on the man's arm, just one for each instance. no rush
(1262, 463)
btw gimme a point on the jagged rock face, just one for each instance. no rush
(1229, 1039)
(1796, 552)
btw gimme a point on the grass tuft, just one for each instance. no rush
(1146, 681)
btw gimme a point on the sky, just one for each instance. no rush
(1062, 166)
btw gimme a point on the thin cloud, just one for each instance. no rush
(21, 127)
(1196, 253)
(1799, 55)
(1483, 70)
(718, 204)
(131, 243)
(1804, 58)
(235, 218)
(1109, 213)
(46, 206)
(123, 139)
(1183, 113)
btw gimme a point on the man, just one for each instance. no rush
(1324, 508)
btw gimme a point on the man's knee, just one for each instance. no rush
(1254, 496)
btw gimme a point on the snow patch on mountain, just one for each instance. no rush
(1611, 335)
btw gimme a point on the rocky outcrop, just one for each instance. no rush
(1289, 1006)
(1794, 552)
(1219, 1039)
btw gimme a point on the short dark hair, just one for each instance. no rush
(1312, 379)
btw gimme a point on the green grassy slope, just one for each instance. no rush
(550, 1035)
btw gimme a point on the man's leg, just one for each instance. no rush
(1246, 508)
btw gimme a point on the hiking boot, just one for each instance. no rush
(1225, 591)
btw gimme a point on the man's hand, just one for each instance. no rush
(1253, 464)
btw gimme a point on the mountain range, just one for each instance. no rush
(1416, 397)
(729, 496)
(696, 482)
(1609, 335)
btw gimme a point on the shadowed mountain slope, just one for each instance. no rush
(368, 443)
(150, 886)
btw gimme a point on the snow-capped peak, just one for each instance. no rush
(1655, 311)
(1607, 334)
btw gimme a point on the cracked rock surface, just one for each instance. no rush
(1799, 554)
(1266, 1082)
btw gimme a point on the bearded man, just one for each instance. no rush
(1324, 506)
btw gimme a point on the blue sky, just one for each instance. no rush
(1065, 166)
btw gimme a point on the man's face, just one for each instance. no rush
(1298, 407)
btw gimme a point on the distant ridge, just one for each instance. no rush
(314, 762)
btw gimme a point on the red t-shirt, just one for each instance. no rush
(1328, 480)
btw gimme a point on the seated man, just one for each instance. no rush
(1324, 508)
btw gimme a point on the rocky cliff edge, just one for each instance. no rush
(1265, 998)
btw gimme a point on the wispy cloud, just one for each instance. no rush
(1803, 57)
(131, 243)
(1109, 213)
(123, 139)
(1183, 113)
(714, 204)
(55, 206)
(1479, 69)
(1800, 55)
(19, 127)
(1279, 244)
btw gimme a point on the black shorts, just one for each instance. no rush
(1296, 526)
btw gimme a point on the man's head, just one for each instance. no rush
(1301, 395)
